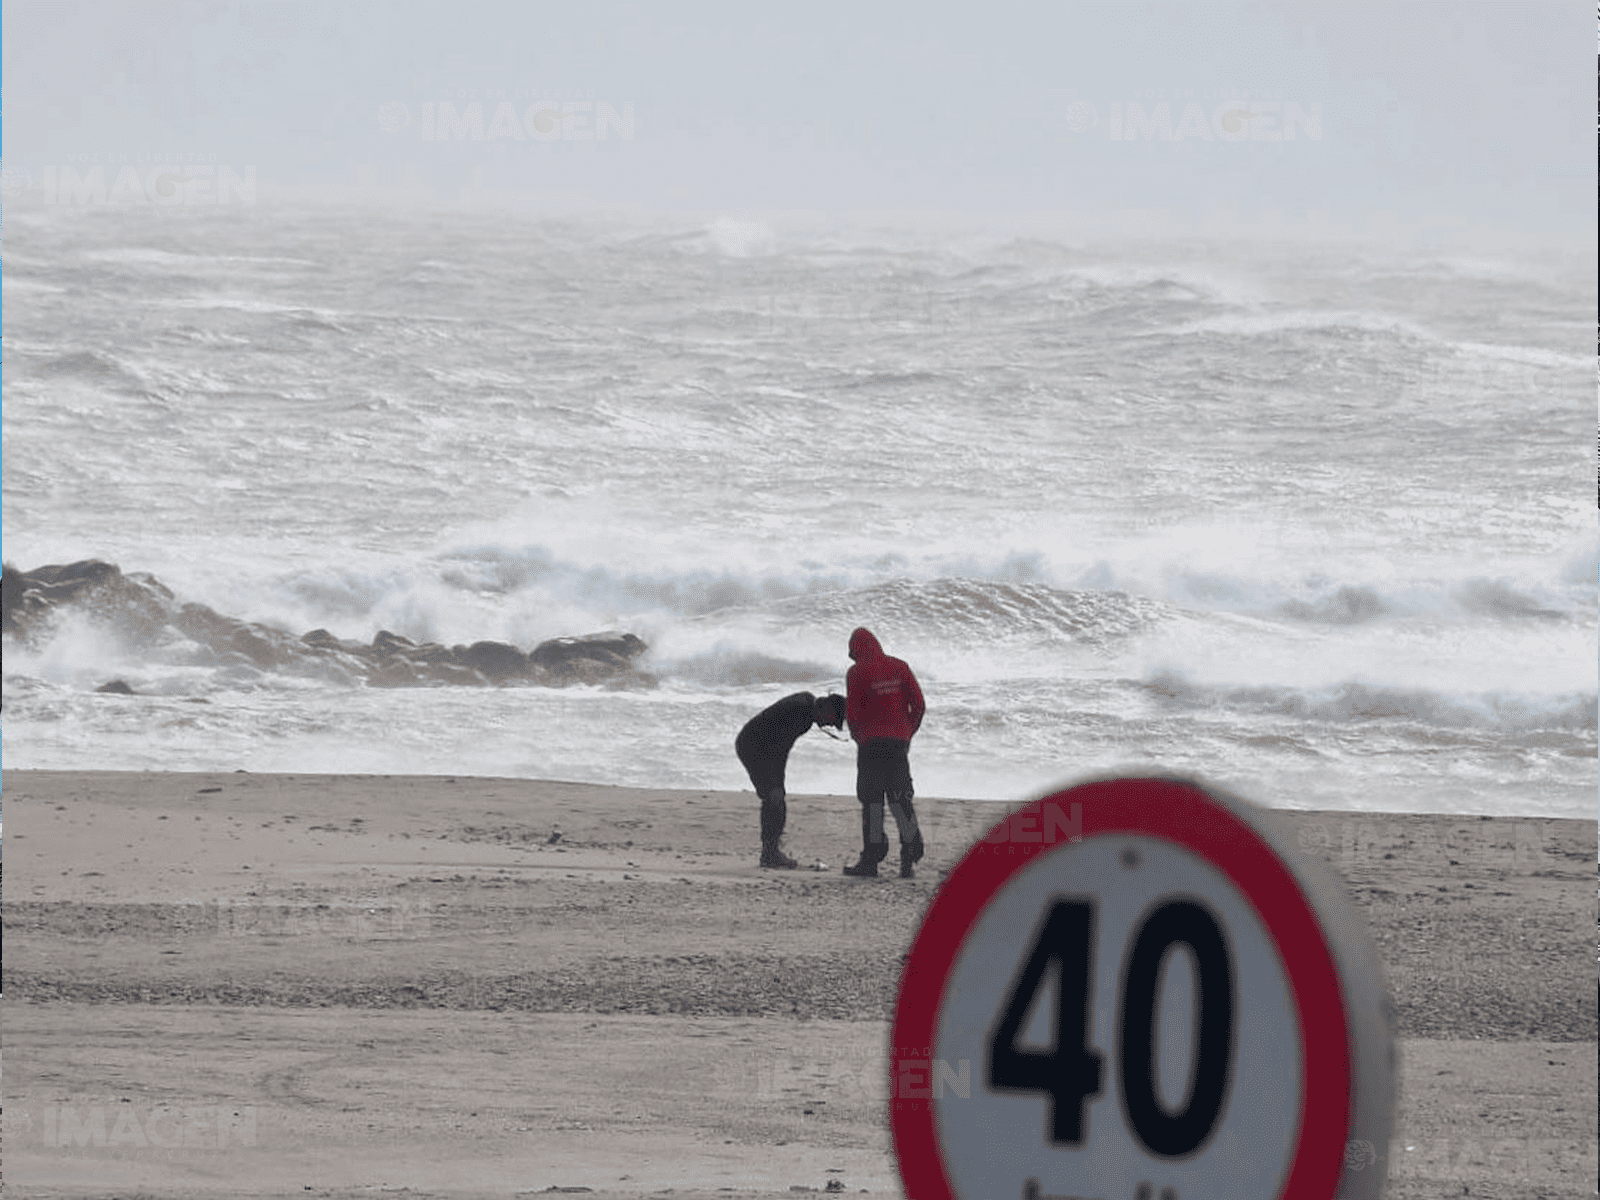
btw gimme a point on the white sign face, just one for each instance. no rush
(1221, 1112)
(1127, 990)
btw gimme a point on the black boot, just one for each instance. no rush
(905, 819)
(771, 856)
(774, 814)
(910, 854)
(873, 847)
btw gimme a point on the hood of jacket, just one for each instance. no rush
(864, 646)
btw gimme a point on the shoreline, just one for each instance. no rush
(370, 964)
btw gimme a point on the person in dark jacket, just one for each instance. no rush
(763, 747)
(884, 707)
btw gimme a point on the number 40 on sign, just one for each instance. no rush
(1166, 1003)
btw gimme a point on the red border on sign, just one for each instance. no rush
(1184, 814)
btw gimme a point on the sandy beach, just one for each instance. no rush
(261, 985)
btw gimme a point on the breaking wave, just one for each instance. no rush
(1356, 702)
(95, 368)
(735, 668)
(959, 610)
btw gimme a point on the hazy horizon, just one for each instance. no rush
(1440, 127)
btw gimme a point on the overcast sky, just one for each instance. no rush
(1476, 119)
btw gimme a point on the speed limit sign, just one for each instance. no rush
(1137, 989)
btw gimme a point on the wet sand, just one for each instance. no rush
(245, 985)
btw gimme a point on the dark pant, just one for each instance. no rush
(883, 775)
(766, 776)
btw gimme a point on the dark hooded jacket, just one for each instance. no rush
(769, 735)
(884, 700)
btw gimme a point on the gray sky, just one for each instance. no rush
(1476, 120)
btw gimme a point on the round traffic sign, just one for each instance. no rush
(1136, 988)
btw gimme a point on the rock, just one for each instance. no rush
(19, 606)
(339, 660)
(394, 672)
(496, 660)
(596, 658)
(321, 639)
(264, 647)
(455, 673)
(387, 643)
(117, 687)
(580, 656)
(433, 653)
(135, 607)
(141, 611)
(66, 581)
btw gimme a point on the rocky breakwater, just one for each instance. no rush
(144, 614)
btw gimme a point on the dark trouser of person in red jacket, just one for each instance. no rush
(883, 776)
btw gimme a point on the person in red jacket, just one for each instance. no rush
(884, 708)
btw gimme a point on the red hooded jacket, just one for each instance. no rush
(884, 700)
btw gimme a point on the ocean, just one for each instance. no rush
(1313, 523)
